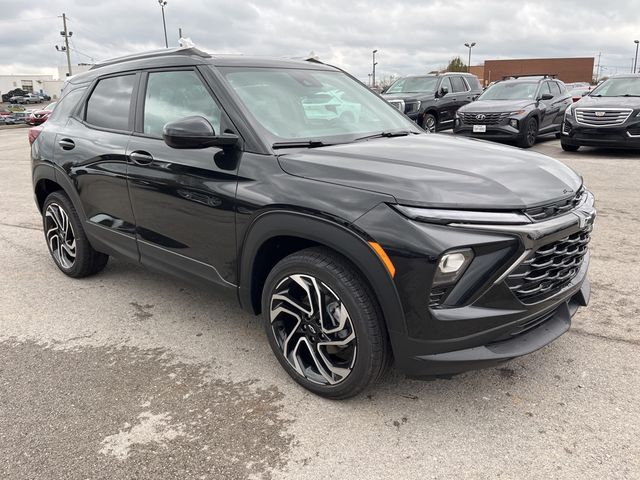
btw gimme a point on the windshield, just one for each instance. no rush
(618, 87)
(414, 85)
(510, 91)
(303, 105)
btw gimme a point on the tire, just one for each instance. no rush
(569, 148)
(66, 240)
(351, 320)
(529, 133)
(429, 122)
(558, 135)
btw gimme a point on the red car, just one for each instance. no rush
(40, 116)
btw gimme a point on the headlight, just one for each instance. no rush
(517, 112)
(451, 266)
(442, 216)
(569, 111)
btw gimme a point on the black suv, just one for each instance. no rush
(608, 116)
(432, 100)
(360, 240)
(517, 109)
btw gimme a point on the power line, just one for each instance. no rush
(20, 19)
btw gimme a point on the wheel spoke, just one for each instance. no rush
(60, 236)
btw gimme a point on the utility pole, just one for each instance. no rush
(635, 63)
(179, 33)
(66, 34)
(163, 3)
(598, 68)
(373, 77)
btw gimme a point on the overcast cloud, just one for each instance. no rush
(411, 36)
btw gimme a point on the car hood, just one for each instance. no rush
(410, 96)
(496, 105)
(608, 102)
(439, 170)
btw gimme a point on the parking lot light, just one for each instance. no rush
(469, 46)
(635, 62)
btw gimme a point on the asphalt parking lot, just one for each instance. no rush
(131, 375)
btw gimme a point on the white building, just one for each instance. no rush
(40, 83)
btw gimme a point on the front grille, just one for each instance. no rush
(602, 117)
(545, 212)
(483, 118)
(550, 268)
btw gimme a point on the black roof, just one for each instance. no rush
(169, 57)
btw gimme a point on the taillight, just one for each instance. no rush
(33, 134)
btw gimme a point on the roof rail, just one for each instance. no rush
(544, 75)
(187, 51)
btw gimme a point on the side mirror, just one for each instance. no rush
(443, 91)
(546, 96)
(195, 132)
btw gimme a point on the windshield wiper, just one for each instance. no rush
(300, 144)
(389, 134)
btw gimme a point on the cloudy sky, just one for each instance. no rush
(411, 36)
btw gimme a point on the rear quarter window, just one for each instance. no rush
(66, 106)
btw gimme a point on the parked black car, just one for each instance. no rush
(516, 109)
(361, 241)
(432, 100)
(16, 92)
(609, 116)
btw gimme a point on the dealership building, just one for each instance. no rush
(569, 70)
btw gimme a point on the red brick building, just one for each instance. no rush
(566, 69)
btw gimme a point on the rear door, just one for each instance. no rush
(91, 149)
(461, 90)
(183, 200)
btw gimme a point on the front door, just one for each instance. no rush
(183, 200)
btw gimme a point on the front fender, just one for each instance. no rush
(344, 240)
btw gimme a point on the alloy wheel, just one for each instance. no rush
(430, 123)
(532, 132)
(60, 235)
(313, 329)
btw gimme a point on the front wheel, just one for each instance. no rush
(530, 133)
(429, 122)
(323, 324)
(569, 148)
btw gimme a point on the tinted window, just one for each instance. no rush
(174, 95)
(414, 85)
(64, 107)
(446, 83)
(458, 84)
(544, 88)
(108, 106)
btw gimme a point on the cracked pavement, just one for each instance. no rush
(130, 374)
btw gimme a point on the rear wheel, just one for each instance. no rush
(569, 148)
(323, 324)
(529, 133)
(66, 239)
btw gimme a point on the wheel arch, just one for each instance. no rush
(48, 179)
(305, 230)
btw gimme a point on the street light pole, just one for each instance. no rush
(373, 77)
(163, 3)
(635, 62)
(469, 46)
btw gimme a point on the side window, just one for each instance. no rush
(108, 105)
(65, 106)
(458, 84)
(174, 95)
(544, 88)
(446, 83)
(560, 87)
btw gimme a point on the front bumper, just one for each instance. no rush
(500, 131)
(626, 135)
(488, 323)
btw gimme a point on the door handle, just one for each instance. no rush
(67, 144)
(141, 158)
